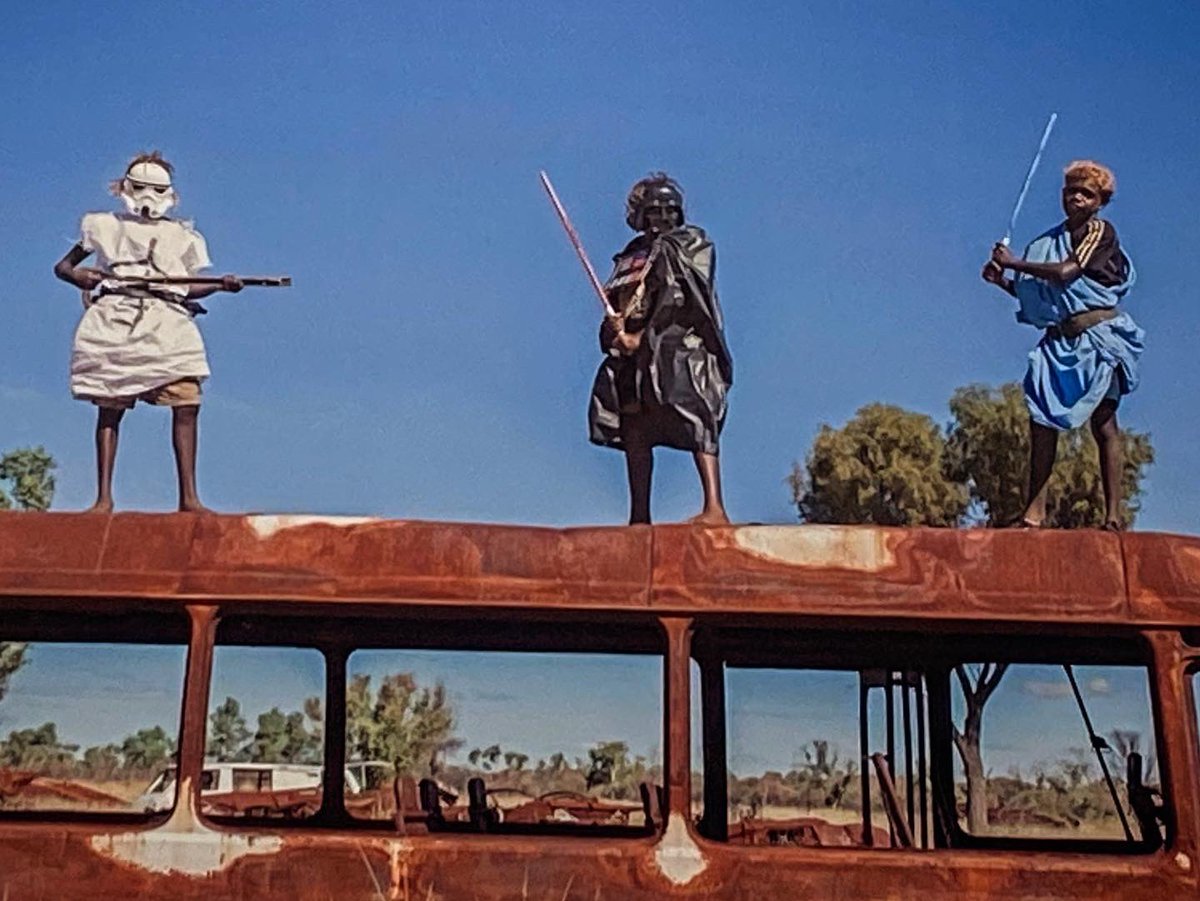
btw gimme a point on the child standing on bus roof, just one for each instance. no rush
(1070, 283)
(140, 342)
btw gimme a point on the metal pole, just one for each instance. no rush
(868, 834)
(890, 727)
(1099, 745)
(922, 775)
(906, 700)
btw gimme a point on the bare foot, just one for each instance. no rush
(716, 517)
(105, 506)
(193, 507)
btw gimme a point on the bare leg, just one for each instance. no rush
(184, 427)
(1108, 439)
(639, 468)
(108, 430)
(1043, 448)
(709, 468)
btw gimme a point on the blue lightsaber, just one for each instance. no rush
(1037, 158)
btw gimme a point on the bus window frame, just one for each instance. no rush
(338, 633)
(137, 622)
(1045, 650)
(933, 652)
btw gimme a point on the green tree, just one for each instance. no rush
(515, 760)
(988, 452)
(227, 732)
(28, 472)
(283, 738)
(147, 749)
(403, 723)
(611, 770)
(101, 762)
(885, 466)
(38, 750)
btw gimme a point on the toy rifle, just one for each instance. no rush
(145, 282)
(255, 281)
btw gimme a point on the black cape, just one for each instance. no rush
(680, 375)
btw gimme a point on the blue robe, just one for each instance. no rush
(1068, 377)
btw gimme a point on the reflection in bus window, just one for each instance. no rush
(1027, 764)
(86, 727)
(265, 739)
(504, 739)
(795, 761)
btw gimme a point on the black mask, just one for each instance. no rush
(655, 205)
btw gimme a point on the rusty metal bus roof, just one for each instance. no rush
(1081, 576)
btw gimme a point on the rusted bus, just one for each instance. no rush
(870, 600)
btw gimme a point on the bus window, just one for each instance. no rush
(1054, 752)
(795, 742)
(505, 740)
(87, 727)
(265, 745)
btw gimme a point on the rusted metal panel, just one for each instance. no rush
(420, 560)
(1076, 577)
(37, 866)
(867, 571)
(48, 551)
(1164, 576)
(321, 558)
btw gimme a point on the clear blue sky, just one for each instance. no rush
(853, 161)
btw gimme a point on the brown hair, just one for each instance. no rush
(153, 156)
(1099, 175)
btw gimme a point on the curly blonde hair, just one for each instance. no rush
(153, 156)
(1098, 174)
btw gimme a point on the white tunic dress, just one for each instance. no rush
(125, 346)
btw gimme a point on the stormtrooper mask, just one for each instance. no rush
(146, 190)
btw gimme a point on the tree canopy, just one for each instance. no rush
(891, 466)
(28, 472)
(886, 466)
(402, 723)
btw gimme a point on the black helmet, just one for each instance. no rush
(656, 191)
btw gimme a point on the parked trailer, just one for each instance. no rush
(900, 611)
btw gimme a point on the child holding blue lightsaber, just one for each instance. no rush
(1071, 282)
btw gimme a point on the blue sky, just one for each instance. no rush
(853, 161)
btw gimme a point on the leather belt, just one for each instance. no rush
(1074, 326)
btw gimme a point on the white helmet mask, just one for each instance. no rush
(146, 190)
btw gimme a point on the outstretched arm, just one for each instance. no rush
(1062, 273)
(230, 283)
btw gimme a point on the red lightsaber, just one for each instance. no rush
(577, 244)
